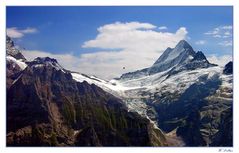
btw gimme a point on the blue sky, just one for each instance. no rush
(75, 32)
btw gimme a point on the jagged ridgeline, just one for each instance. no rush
(47, 107)
(181, 100)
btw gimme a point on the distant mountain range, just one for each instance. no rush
(181, 100)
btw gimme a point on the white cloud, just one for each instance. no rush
(217, 36)
(14, 32)
(214, 32)
(220, 32)
(227, 33)
(200, 42)
(162, 28)
(228, 27)
(223, 35)
(133, 35)
(138, 46)
(226, 43)
(118, 26)
(220, 60)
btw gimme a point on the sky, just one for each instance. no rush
(109, 41)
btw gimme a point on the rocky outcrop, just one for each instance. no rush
(190, 130)
(224, 136)
(15, 62)
(199, 61)
(12, 50)
(228, 69)
(13, 71)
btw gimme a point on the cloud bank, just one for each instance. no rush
(134, 35)
(14, 32)
(220, 60)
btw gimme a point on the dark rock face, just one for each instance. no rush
(88, 137)
(46, 107)
(43, 60)
(199, 56)
(199, 61)
(228, 68)
(12, 51)
(224, 136)
(190, 131)
(13, 69)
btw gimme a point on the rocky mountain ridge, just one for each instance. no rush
(47, 107)
(182, 99)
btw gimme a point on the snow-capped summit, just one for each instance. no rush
(183, 44)
(171, 53)
(172, 61)
(182, 53)
(171, 57)
(15, 59)
(45, 61)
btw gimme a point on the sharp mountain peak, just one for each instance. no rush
(42, 60)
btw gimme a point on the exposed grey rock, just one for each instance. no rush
(228, 68)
